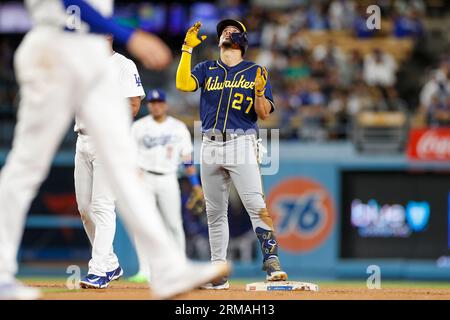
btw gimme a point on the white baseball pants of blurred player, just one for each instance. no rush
(95, 199)
(59, 72)
(161, 147)
(164, 191)
(96, 204)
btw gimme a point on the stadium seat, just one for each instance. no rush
(380, 131)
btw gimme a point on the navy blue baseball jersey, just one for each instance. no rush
(228, 95)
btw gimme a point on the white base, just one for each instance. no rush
(281, 286)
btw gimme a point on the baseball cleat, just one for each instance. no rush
(115, 274)
(221, 284)
(188, 277)
(138, 278)
(93, 281)
(16, 290)
(273, 269)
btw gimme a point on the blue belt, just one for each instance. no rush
(221, 136)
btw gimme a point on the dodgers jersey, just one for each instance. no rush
(128, 77)
(130, 81)
(228, 95)
(161, 147)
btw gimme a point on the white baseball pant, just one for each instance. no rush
(96, 205)
(164, 191)
(58, 73)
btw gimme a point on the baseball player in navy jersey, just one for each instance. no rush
(163, 143)
(95, 199)
(62, 69)
(234, 94)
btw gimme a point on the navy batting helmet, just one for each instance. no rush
(240, 39)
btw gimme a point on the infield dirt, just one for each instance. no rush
(56, 290)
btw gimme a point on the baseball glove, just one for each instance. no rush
(196, 201)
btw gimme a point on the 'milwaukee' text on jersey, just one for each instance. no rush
(228, 95)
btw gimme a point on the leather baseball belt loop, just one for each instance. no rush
(155, 173)
(81, 132)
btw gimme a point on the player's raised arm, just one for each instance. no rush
(148, 48)
(184, 79)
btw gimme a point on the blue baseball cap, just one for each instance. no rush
(156, 95)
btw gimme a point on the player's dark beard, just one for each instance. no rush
(227, 43)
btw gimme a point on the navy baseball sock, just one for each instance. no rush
(269, 245)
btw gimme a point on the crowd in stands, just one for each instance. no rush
(325, 65)
(435, 95)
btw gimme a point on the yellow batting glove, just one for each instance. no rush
(191, 40)
(261, 81)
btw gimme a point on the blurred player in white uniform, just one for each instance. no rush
(95, 198)
(163, 143)
(61, 73)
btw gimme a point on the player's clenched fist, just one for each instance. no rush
(260, 81)
(150, 50)
(191, 40)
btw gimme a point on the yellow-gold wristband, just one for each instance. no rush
(260, 93)
(186, 48)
